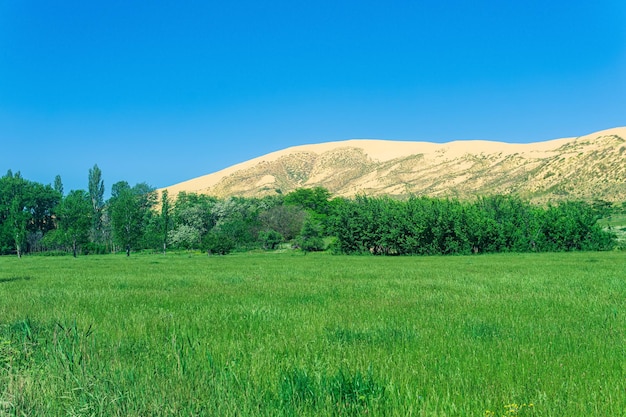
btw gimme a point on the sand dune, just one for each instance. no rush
(321, 162)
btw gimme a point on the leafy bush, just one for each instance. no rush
(310, 238)
(218, 243)
(270, 239)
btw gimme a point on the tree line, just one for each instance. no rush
(42, 218)
(428, 226)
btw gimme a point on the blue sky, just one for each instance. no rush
(161, 92)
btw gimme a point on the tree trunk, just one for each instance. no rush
(127, 250)
(18, 246)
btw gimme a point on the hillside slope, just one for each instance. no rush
(588, 167)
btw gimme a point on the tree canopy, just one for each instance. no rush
(36, 217)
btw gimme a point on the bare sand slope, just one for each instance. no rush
(443, 160)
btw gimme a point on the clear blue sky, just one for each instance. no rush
(163, 92)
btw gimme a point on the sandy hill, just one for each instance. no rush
(587, 167)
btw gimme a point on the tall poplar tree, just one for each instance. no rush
(165, 217)
(58, 185)
(96, 194)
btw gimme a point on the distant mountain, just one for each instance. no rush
(587, 167)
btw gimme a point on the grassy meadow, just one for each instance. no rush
(282, 334)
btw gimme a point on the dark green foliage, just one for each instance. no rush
(504, 224)
(26, 213)
(74, 220)
(573, 226)
(130, 210)
(424, 226)
(58, 185)
(192, 218)
(238, 219)
(218, 242)
(311, 236)
(96, 194)
(286, 220)
(270, 239)
(164, 220)
(34, 217)
(313, 199)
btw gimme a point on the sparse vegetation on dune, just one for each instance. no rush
(585, 168)
(284, 334)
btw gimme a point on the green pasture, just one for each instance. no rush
(282, 334)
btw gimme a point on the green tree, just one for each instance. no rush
(270, 239)
(130, 210)
(26, 212)
(74, 219)
(287, 220)
(192, 220)
(165, 218)
(185, 236)
(218, 242)
(313, 199)
(573, 226)
(238, 218)
(349, 225)
(96, 195)
(16, 220)
(58, 185)
(311, 237)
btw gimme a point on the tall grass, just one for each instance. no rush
(283, 335)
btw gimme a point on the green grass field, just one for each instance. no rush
(293, 335)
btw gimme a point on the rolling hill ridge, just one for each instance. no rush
(583, 168)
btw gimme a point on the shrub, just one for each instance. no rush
(270, 239)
